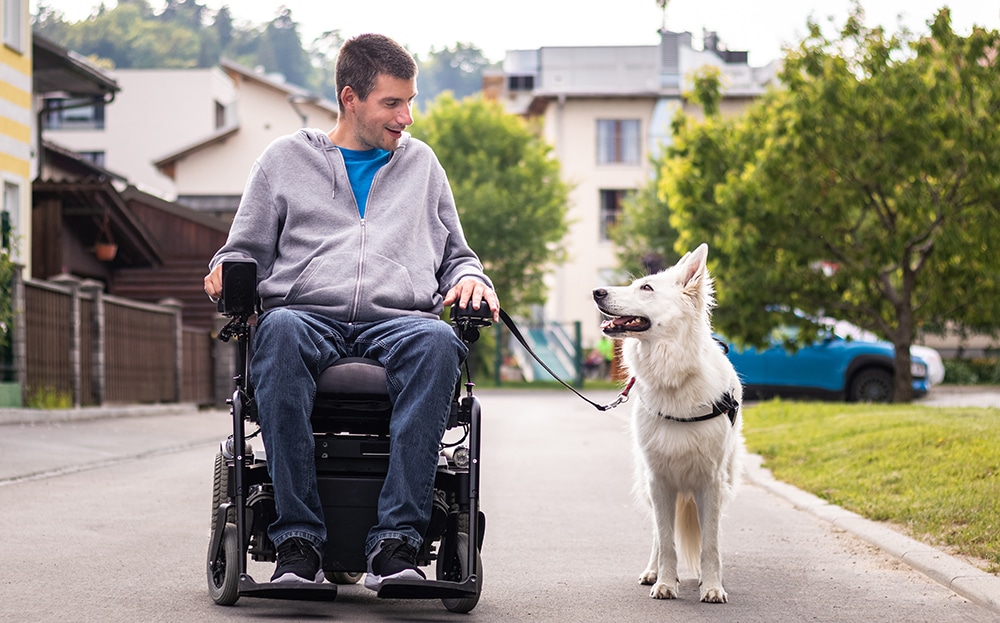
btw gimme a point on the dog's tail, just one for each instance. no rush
(688, 531)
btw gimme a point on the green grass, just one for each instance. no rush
(934, 471)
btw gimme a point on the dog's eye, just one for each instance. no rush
(646, 287)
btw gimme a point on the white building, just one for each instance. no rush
(159, 129)
(606, 110)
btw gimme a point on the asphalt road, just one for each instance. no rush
(107, 520)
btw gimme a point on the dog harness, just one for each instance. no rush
(727, 404)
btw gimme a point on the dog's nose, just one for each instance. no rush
(600, 293)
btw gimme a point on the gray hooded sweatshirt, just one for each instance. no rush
(298, 220)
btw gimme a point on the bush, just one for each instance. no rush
(976, 371)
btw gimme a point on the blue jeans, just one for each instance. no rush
(421, 357)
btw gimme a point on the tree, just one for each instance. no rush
(281, 50)
(643, 236)
(458, 69)
(507, 187)
(864, 189)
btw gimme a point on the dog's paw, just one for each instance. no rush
(714, 595)
(662, 590)
(648, 577)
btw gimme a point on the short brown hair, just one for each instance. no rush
(362, 58)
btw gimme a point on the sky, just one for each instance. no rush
(760, 27)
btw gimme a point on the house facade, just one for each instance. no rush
(209, 174)
(156, 112)
(606, 111)
(16, 128)
(188, 135)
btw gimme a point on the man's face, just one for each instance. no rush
(381, 119)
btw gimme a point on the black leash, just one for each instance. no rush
(622, 397)
(726, 405)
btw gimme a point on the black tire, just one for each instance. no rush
(220, 488)
(455, 570)
(343, 577)
(871, 385)
(224, 571)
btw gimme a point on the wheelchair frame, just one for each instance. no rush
(351, 465)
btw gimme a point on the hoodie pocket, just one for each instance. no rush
(327, 281)
(386, 284)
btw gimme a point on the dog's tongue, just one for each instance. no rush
(616, 321)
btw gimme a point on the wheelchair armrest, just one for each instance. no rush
(239, 289)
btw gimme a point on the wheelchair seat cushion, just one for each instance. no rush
(353, 375)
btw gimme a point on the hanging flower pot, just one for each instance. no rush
(105, 251)
(105, 248)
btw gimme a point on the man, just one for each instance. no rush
(358, 249)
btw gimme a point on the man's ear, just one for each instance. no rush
(348, 97)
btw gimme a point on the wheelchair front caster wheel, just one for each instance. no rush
(455, 569)
(343, 577)
(224, 569)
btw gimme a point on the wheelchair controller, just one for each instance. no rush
(350, 423)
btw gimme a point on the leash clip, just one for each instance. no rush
(622, 397)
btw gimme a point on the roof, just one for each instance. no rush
(73, 163)
(290, 91)
(131, 193)
(218, 136)
(274, 81)
(54, 68)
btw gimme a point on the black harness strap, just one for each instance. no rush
(727, 404)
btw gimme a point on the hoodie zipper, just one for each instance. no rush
(356, 303)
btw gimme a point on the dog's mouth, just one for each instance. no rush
(624, 324)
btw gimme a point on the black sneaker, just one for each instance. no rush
(392, 559)
(298, 561)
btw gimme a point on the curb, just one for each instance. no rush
(974, 584)
(32, 417)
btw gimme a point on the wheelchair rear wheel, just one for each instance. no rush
(454, 569)
(224, 569)
(220, 489)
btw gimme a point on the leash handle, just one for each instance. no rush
(622, 397)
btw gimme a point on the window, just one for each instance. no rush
(13, 26)
(84, 114)
(94, 157)
(220, 115)
(520, 83)
(618, 141)
(611, 209)
(10, 213)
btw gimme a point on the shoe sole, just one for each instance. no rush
(291, 578)
(374, 582)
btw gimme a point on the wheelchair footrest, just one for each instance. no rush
(427, 589)
(303, 591)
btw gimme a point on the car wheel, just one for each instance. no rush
(871, 385)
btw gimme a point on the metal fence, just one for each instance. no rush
(79, 345)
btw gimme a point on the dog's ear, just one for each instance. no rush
(694, 265)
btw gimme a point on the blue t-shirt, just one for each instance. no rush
(361, 169)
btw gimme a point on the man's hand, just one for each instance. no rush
(469, 290)
(213, 283)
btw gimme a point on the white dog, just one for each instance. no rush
(686, 424)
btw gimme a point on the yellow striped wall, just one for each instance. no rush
(16, 133)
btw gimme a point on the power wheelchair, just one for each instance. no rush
(351, 430)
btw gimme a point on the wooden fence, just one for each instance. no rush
(72, 340)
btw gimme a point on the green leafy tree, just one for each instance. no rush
(458, 69)
(864, 189)
(280, 49)
(7, 271)
(507, 187)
